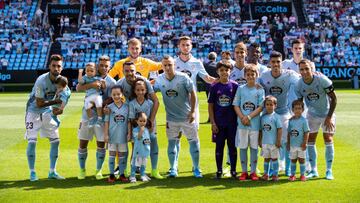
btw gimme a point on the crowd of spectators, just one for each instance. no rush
(21, 32)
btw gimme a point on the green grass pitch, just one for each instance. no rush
(14, 174)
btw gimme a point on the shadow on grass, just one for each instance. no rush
(181, 182)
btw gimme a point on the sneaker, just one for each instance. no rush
(123, 179)
(132, 179)
(82, 174)
(265, 177)
(292, 178)
(197, 173)
(145, 178)
(218, 175)
(243, 176)
(227, 174)
(111, 178)
(233, 174)
(173, 173)
(254, 177)
(302, 178)
(54, 175)
(312, 174)
(329, 175)
(98, 175)
(33, 176)
(155, 174)
(275, 178)
(92, 122)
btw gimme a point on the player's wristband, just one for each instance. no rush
(249, 117)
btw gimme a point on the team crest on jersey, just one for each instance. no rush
(171, 93)
(248, 106)
(146, 141)
(275, 90)
(313, 96)
(187, 73)
(224, 100)
(267, 127)
(294, 133)
(119, 118)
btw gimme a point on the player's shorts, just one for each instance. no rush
(188, 129)
(284, 124)
(270, 151)
(43, 122)
(297, 152)
(316, 122)
(118, 147)
(94, 98)
(245, 138)
(86, 133)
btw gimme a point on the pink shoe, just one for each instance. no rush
(254, 177)
(243, 176)
(302, 178)
(292, 178)
(265, 177)
(275, 178)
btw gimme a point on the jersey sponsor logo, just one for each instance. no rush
(49, 95)
(313, 96)
(119, 118)
(294, 133)
(171, 93)
(267, 127)
(187, 73)
(241, 81)
(248, 106)
(146, 141)
(275, 90)
(224, 101)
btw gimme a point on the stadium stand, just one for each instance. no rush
(331, 31)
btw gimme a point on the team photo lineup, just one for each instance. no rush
(179, 101)
(275, 110)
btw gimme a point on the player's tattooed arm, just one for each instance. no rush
(333, 101)
(40, 102)
(154, 110)
(191, 116)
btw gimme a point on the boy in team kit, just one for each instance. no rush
(248, 103)
(93, 95)
(63, 93)
(298, 133)
(270, 138)
(223, 117)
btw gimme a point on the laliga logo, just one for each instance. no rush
(4, 77)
